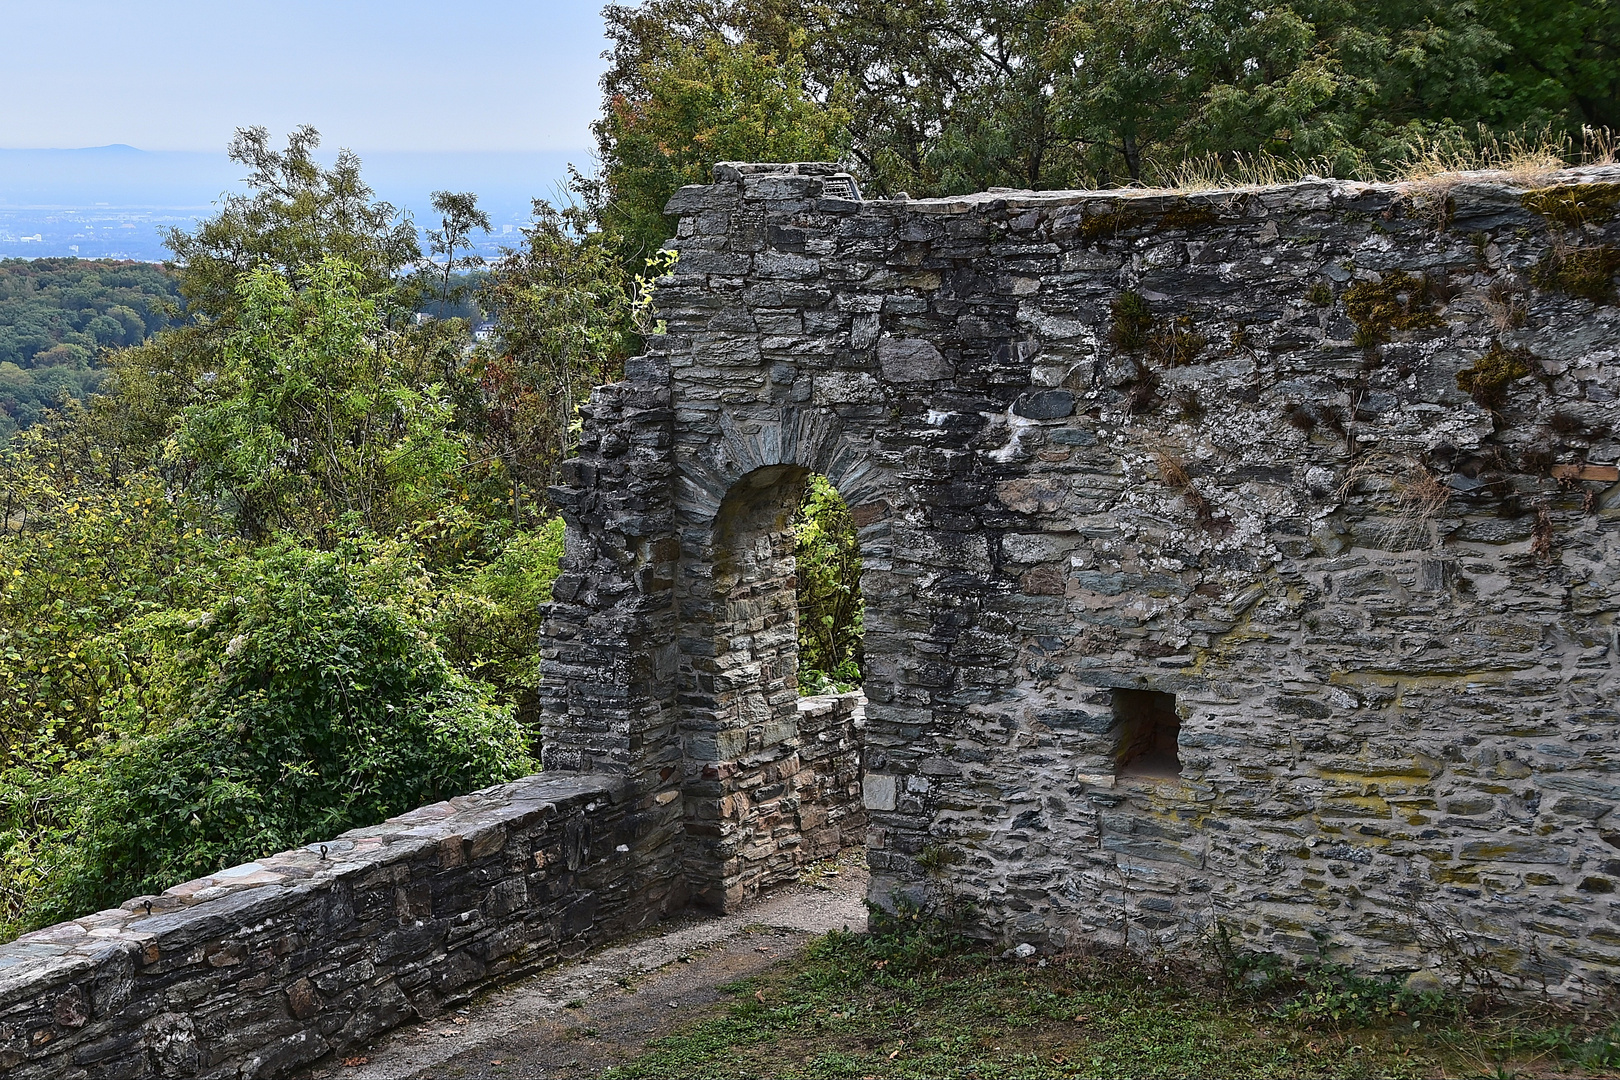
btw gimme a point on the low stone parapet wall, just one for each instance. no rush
(261, 968)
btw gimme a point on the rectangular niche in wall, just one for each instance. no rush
(1147, 727)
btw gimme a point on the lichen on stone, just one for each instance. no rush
(1398, 302)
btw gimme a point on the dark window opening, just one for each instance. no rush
(1148, 728)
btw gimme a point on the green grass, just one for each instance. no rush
(915, 1005)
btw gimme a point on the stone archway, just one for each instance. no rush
(771, 780)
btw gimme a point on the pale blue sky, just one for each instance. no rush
(453, 75)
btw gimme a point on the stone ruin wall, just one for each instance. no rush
(260, 969)
(1386, 614)
(1210, 445)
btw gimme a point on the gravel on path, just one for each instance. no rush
(582, 1018)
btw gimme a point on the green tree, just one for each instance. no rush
(307, 699)
(310, 426)
(295, 215)
(695, 104)
(564, 325)
(86, 549)
(1562, 63)
(459, 216)
(263, 591)
(946, 96)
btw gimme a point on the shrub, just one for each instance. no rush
(308, 700)
(829, 586)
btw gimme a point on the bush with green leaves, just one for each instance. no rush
(310, 697)
(311, 425)
(488, 618)
(829, 584)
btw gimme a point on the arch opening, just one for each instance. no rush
(827, 576)
(772, 775)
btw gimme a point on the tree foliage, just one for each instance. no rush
(56, 318)
(696, 100)
(942, 97)
(459, 216)
(296, 215)
(563, 308)
(310, 425)
(274, 582)
(307, 697)
(828, 555)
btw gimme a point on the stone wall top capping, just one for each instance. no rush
(1482, 188)
(232, 897)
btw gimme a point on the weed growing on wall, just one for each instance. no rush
(1398, 302)
(1132, 321)
(1586, 271)
(1573, 205)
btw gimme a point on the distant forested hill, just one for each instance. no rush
(56, 315)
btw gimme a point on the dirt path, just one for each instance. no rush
(585, 1017)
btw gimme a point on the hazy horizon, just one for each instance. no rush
(116, 201)
(119, 111)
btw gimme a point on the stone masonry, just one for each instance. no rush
(262, 968)
(1311, 490)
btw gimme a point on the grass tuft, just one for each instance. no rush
(916, 1000)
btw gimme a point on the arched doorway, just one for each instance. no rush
(772, 778)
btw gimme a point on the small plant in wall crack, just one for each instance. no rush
(1142, 392)
(1398, 302)
(1487, 381)
(1543, 540)
(1582, 270)
(1176, 345)
(1172, 470)
(1132, 321)
(1416, 496)
(1504, 303)
(1173, 473)
(657, 266)
(935, 923)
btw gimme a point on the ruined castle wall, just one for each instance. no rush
(263, 968)
(1332, 463)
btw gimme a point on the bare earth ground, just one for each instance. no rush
(585, 1017)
